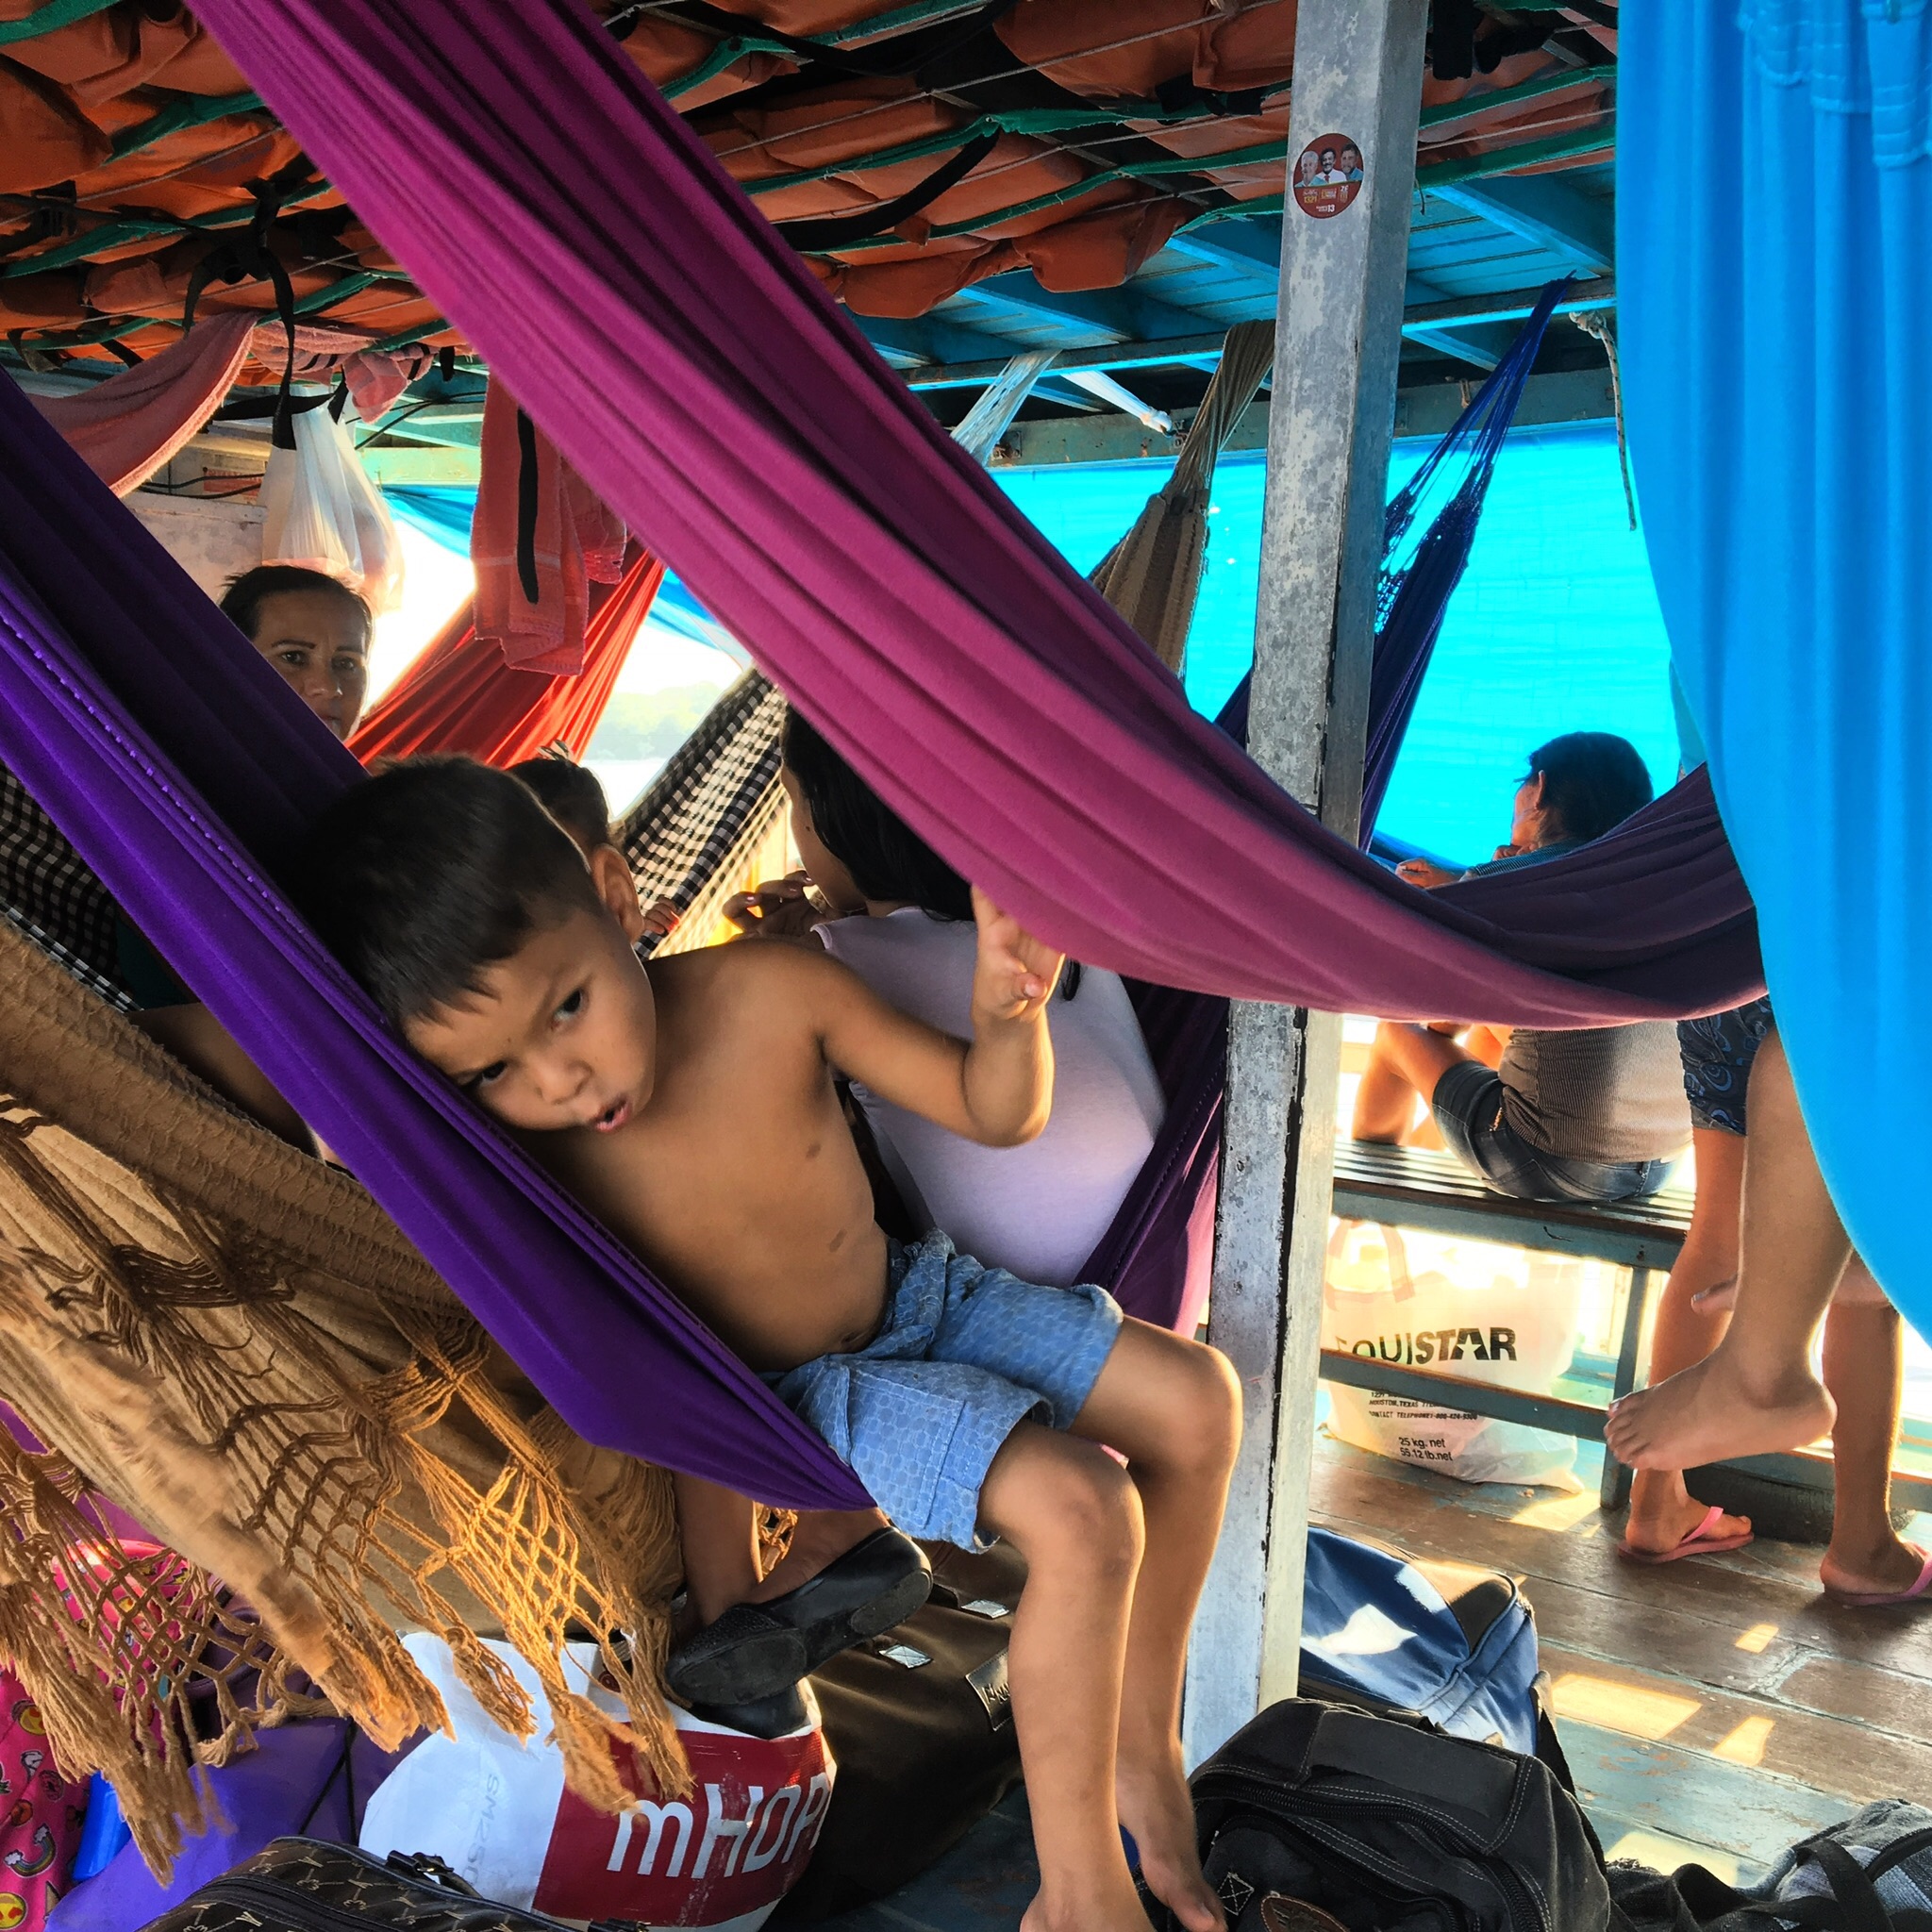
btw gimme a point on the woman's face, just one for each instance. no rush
(828, 875)
(1528, 822)
(320, 644)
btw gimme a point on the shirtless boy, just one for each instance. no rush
(690, 1104)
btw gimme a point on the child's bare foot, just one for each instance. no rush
(1715, 1410)
(1890, 1569)
(1159, 1813)
(1663, 1513)
(1107, 1905)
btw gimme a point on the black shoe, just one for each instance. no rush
(756, 1650)
(776, 1716)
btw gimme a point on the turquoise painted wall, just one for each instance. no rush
(1555, 626)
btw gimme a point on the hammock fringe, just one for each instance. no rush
(229, 1342)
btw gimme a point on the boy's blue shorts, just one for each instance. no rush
(966, 1353)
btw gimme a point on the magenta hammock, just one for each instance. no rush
(710, 391)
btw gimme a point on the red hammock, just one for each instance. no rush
(460, 696)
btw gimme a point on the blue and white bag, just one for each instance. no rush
(1455, 1645)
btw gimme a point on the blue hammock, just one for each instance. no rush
(1774, 276)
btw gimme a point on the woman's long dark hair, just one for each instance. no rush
(1592, 781)
(886, 858)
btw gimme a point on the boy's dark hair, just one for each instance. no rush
(571, 795)
(1592, 781)
(243, 600)
(886, 858)
(427, 875)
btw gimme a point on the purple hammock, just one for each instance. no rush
(146, 727)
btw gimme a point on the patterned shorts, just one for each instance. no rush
(1717, 1053)
(967, 1353)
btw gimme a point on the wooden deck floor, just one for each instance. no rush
(1718, 1708)
(1713, 1709)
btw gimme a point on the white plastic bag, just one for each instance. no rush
(1465, 1317)
(498, 1812)
(321, 510)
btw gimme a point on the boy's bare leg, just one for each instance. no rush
(1755, 1392)
(1864, 1370)
(1073, 1513)
(718, 1528)
(1173, 1409)
(1662, 1511)
(1406, 1061)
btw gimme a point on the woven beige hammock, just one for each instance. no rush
(229, 1340)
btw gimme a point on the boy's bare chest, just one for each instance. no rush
(738, 1182)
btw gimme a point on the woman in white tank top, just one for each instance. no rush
(903, 922)
(1038, 1210)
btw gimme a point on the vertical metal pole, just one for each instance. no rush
(1357, 79)
(1613, 1492)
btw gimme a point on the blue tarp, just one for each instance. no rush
(1774, 281)
(439, 510)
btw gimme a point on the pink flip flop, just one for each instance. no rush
(1700, 1542)
(1877, 1599)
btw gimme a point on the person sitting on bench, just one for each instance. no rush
(1596, 1115)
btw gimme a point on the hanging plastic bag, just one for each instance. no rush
(321, 510)
(497, 1810)
(1464, 1319)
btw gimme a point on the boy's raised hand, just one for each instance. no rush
(1014, 975)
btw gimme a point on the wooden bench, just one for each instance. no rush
(1417, 1187)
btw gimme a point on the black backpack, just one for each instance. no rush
(1845, 1898)
(1316, 1818)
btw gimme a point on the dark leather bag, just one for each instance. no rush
(1314, 1817)
(304, 1885)
(920, 1724)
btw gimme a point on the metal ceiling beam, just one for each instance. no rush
(1511, 306)
(1569, 395)
(1473, 348)
(1545, 211)
(1125, 314)
(1419, 320)
(1475, 345)
(1204, 349)
(933, 339)
(1250, 247)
